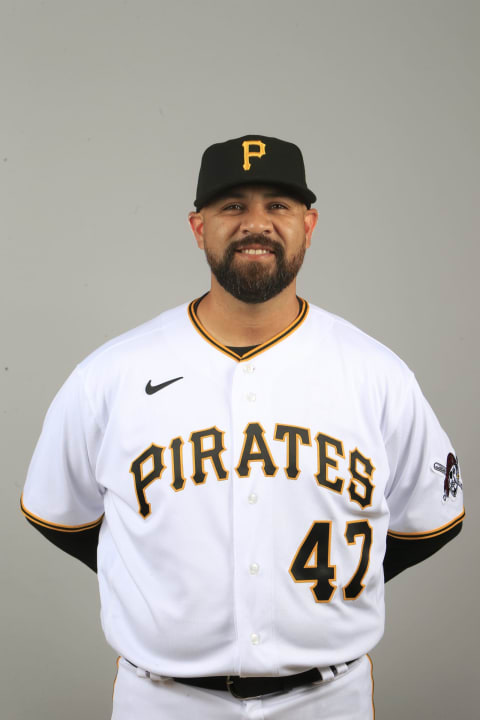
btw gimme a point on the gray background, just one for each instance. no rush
(106, 108)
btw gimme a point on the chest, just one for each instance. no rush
(285, 424)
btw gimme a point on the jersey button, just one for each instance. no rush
(254, 638)
(252, 498)
(251, 397)
(248, 368)
(254, 568)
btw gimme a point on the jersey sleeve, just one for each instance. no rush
(425, 490)
(61, 496)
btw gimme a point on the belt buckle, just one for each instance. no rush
(234, 693)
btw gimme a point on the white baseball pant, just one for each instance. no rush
(348, 696)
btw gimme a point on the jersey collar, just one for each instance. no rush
(192, 311)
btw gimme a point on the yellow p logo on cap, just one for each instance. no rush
(247, 153)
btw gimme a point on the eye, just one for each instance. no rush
(232, 206)
(278, 204)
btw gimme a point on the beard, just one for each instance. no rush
(252, 282)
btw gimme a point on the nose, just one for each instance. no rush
(256, 220)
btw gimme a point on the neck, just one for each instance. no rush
(236, 324)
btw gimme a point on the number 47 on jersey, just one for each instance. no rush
(312, 561)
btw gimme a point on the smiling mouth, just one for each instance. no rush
(251, 251)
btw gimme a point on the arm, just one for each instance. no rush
(402, 553)
(81, 543)
(425, 491)
(62, 499)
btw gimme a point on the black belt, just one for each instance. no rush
(250, 687)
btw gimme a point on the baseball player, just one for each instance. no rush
(244, 472)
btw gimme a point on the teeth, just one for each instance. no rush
(249, 251)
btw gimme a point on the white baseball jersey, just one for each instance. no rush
(245, 501)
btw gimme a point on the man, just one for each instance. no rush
(250, 466)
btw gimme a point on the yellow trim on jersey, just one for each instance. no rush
(429, 533)
(116, 676)
(259, 348)
(55, 526)
(373, 685)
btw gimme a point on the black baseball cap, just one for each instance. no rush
(249, 160)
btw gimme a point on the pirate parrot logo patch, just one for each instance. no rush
(451, 472)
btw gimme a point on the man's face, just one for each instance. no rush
(254, 240)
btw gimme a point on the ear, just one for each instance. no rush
(196, 222)
(309, 221)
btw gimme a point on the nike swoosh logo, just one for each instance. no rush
(151, 389)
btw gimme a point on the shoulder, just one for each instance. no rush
(118, 371)
(354, 347)
(128, 345)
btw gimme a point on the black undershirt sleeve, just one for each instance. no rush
(82, 545)
(402, 554)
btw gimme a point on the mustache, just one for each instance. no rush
(255, 239)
